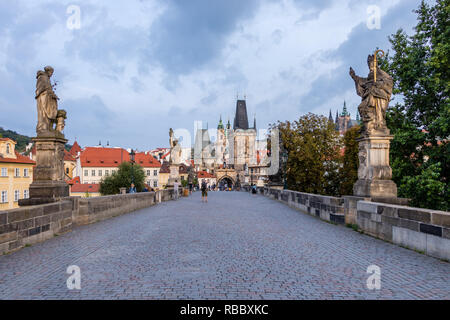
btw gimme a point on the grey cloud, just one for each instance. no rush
(353, 52)
(191, 33)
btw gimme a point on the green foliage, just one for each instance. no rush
(349, 171)
(420, 152)
(184, 183)
(428, 190)
(313, 148)
(21, 140)
(123, 178)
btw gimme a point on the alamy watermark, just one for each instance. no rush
(374, 280)
(74, 281)
(373, 17)
(74, 20)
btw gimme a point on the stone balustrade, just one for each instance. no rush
(424, 230)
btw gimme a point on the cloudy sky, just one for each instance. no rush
(133, 69)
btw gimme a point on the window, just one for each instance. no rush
(86, 173)
(16, 195)
(7, 149)
(155, 172)
(182, 178)
(4, 196)
(26, 194)
(106, 172)
(16, 172)
(4, 172)
(67, 170)
(148, 173)
(99, 173)
(26, 172)
(155, 183)
(93, 173)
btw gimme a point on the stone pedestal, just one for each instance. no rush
(374, 172)
(174, 175)
(48, 176)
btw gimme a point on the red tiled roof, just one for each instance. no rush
(204, 174)
(113, 157)
(164, 156)
(68, 156)
(75, 180)
(20, 159)
(165, 168)
(87, 187)
(75, 148)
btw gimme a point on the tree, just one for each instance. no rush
(123, 179)
(313, 148)
(420, 152)
(349, 171)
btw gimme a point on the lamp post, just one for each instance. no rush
(284, 157)
(132, 154)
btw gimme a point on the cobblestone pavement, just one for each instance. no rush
(236, 246)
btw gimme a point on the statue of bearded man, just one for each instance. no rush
(47, 101)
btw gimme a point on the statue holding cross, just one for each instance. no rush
(375, 91)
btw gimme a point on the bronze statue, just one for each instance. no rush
(375, 91)
(47, 104)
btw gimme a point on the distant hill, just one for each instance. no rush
(22, 141)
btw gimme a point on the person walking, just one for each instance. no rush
(204, 191)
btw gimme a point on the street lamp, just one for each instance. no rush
(284, 157)
(132, 154)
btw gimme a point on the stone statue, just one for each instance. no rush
(48, 175)
(47, 104)
(375, 91)
(175, 149)
(374, 171)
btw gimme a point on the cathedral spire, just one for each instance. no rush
(330, 117)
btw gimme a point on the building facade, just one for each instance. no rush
(343, 121)
(16, 175)
(99, 162)
(234, 151)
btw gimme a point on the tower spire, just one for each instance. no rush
(330, 117)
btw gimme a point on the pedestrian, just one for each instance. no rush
(204, 191)
(132, 189)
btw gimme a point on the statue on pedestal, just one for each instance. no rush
(374, 171)
(375, 91)
(48, 176)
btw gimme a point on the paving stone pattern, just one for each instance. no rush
(236, 246)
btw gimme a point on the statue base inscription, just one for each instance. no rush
(374, 172)
(48, 176)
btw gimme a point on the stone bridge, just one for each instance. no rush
(236, 246)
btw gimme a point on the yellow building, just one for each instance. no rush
(16, 175)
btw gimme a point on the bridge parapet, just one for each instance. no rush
(424, 230)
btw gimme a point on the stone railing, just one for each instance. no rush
(325, 207)
(423, 230)
(28, 225)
